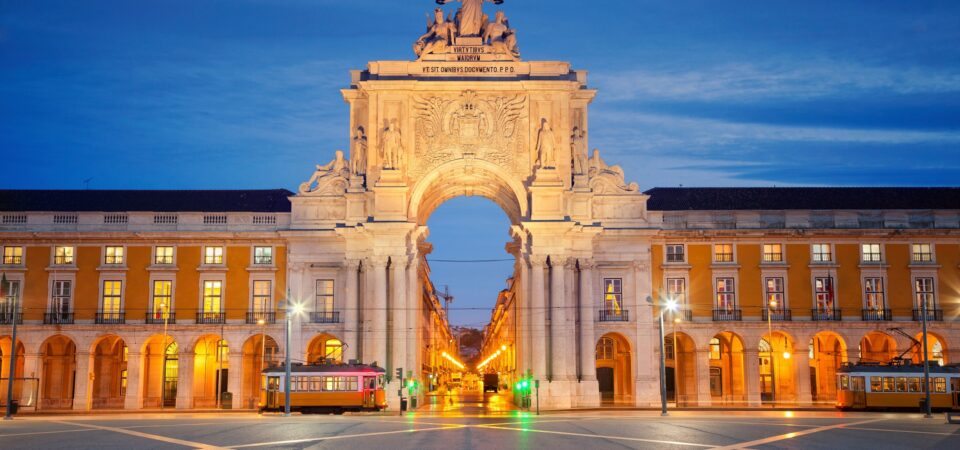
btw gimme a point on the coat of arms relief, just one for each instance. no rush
(490, 128)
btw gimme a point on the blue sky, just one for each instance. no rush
(245, 93)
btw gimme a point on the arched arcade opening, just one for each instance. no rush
(614, 368)
(58, 356)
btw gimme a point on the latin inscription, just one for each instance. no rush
(487, 69)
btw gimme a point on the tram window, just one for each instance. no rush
(875, 384)
(315, 384)
(371, 382)
(888, 384)
(844, 383)
(856, 384)
(901, 384)
(914, 384)
(940, 385)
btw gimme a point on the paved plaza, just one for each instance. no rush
(471, 422)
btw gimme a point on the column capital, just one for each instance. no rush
(377, 261)
(559, 260)
(352, 264)
(587, 264)
(537, 260)
(570, 264)
(640, 265)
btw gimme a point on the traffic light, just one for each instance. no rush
(399, 373)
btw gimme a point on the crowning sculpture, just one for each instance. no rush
(468, 27)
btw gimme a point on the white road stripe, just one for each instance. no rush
(46, 432)
(347, 436)
(596, 436)
(154, 437)
(785, 436)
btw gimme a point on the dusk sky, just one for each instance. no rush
(245, 94)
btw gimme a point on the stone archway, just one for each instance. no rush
(259, 351)
(828, 352)
(614, 368)
(6, 351)
(936, 349)
(211, 365)
(777, 372)
(58, 356)
(109, 369)
(468, 177)
(325, 347)
(160, 372)
(727, 369)
(877, 347)
(681, 371)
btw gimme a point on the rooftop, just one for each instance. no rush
(247, 200)
(774, 198)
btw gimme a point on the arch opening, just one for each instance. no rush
(614, 360)
(259, 351)
(110, 356)
(827, 352)
(58, 356)
(211, 369)
(681, 368)
(877, 347)
(468, 177)
(160, 367)
(325, 347)
(6, 352)
(777, 368)
(727, 380)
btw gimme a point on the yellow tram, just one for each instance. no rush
(324, 388)
(893, 386)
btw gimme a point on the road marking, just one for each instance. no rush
(154, 437)
(903, 431)
(785, 436)
(596, 436)
(346, 436)
(78, 430)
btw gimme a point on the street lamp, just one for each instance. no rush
(13, 345)
(291, 310)
(669, 305)
(927, 413)
(773, 372)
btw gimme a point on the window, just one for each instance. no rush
(914, 384)
(772, 253)
(875, 384)
(726, 297)
(923, 288)
(112, 299)
(675, 253)
(340, 383)
(113, 256)
(677, 290)
(12, 290)
(212, 297)
(333, 350)
(922, 253)
(62, 255)
(62, 296)
(668, 347)
(824, 293)
(939, 385)
(261, 296)
(325, 296)
(263, 256)
(613, 296)
(213, 255)
(163, 256)
(162, 299)
(774, 288)
(723, 253)
(888, 384)
(715, 348)
(873, 293)
(822, 253)
(870, 253)
(12, 256)
(605, 348)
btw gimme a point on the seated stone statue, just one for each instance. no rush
(438, 37)
(329, 178)
(606, 179)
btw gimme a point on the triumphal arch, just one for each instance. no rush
(468, 117)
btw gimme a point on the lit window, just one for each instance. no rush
(261, 296)
(263, 256)
(605, 348)
(333, 350)
(871, 253)
(213, 255)
(723, 253)
(715, 348)
(164, 255)
(12, 290)
(924, 291)
(824, 294)
(324, 297)
(113, 255)
(63, 255)
(822, 253)
(873, 293)
(772, 253)
(162, 299)
(675, 253)
(613, 296)
(12, 256)
(112, 299)
(212, 297)
(774, 288)
(668, 350)
(922, 253)
(726, 296)
(677, 290)
(939, 385)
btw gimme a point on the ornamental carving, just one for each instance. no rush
(486, 128)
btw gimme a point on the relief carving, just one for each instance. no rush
(485, 127)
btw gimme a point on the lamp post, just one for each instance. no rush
(669, 305)
(291, 309)
(927, 413)
(163, 353)
(773, 373)
(13, 346)
(676, 364)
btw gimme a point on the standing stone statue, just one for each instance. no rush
(471, 15)
(358, 157)
(578, 148)
(546, 146)
(391, 149)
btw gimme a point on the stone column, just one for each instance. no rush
(398, 314)
(413, 317)
(751, 374)
(83, 387)
(351, 310)
(538, 316)
(235, 377)
(558, 305)
(704, 398)
(802, 376)
(375, 313)
(184, 380)
(134, 395)
(588, 366)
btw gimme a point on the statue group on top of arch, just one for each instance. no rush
(469, 22)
